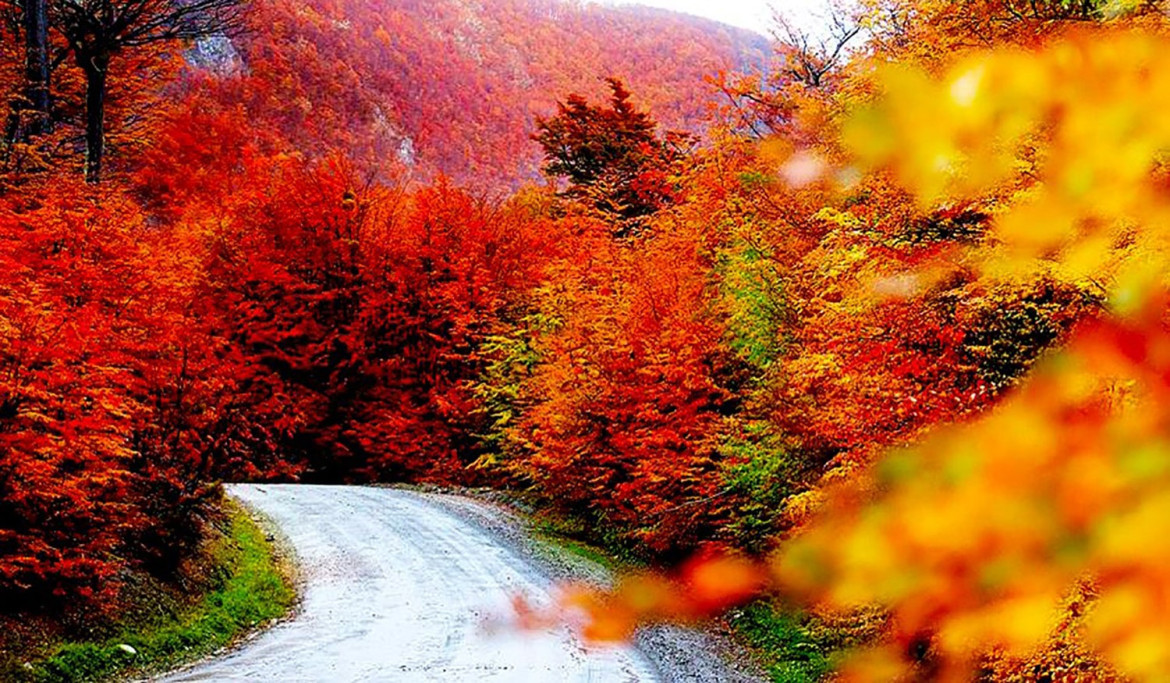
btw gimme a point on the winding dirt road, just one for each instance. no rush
(397, 586)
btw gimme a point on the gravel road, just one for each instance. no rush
(400, 586)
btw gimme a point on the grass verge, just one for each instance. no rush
(782, 644)
(566, 537)
(248, 588)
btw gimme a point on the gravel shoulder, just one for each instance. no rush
(678, 654)
(403, 585)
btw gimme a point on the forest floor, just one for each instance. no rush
(403, 585)
(235, 585)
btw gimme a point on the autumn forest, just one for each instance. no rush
(865, 325)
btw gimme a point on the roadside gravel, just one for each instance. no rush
(679, 655)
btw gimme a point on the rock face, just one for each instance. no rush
(216, 54)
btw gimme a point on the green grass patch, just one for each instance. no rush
(577, 548)
(784, 646)
(250, 589)
(579, 538)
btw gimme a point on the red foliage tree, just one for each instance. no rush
(95, 462)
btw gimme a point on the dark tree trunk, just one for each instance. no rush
(95, 117)
(99, 29)
(36, 69)
(29, 115)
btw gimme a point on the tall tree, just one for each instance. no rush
(99, 29)
(35, 110)
(29, 114)
(811, 59)
(611, 155)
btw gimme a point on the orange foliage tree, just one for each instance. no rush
(1036, 522)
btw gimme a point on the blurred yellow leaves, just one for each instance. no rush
(974, 536)
(1066, 143)
(971, 539)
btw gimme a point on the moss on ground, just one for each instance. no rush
(247, 588)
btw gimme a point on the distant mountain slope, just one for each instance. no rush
(453, 86)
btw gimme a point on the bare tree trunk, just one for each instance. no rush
(36, 71)
(95, 117)
(29, 115)
(98, 29)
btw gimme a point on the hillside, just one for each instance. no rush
(454, 86)
(892, 346)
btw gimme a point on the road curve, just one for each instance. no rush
(397, 588)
